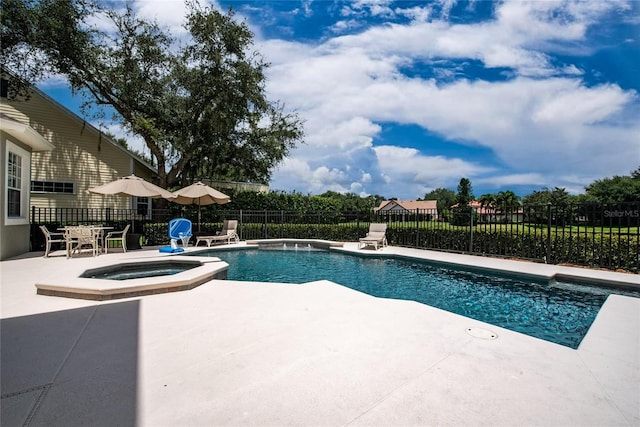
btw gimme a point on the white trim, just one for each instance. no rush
(136, 202)
(25, 184)
(25, 134)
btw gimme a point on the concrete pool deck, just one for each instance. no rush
(242, 353)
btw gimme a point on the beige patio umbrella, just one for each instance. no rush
(133, 186)
(199, 194)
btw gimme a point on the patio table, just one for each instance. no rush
(97, 232)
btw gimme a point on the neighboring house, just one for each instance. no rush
(489, 214)
(409, 207)
(17, 143)
(83, 157)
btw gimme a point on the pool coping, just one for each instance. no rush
(234, 353)
(104, 289)
(316, 243)
(525, 269)
(214, 268)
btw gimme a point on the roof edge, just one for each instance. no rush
(25, 134)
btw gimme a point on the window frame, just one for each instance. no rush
(54, 184)
(138, 203)
(25, 184)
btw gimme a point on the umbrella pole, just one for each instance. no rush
(199, 215)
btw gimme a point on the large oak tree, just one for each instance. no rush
(197, 101)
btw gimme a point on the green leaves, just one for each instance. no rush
(198, 102)
(465, 192)
(616, 189)
(445, 197)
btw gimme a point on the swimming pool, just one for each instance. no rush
(556, 312)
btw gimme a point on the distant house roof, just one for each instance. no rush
(406, 205)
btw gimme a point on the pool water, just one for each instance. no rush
(556, 312)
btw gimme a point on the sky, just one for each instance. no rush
(399, 98)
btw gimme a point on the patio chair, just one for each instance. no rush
(79, 236)
(228, 232)
(115, 236)
(376, 236)
(179, 229)
(51, 237)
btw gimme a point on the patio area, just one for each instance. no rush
(245, 353)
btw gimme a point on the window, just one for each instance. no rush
(57, 187)
(4, 88)
(16, 177)
(143, 206)
(14, 184)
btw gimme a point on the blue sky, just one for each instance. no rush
(402, 97)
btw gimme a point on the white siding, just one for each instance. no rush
(82, 155)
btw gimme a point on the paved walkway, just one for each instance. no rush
(242, 353)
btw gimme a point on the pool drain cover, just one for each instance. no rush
(485, 334)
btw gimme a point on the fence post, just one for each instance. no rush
(265, 223)
(417, 228)
(471, 230)
(241, 227)
(548, 256)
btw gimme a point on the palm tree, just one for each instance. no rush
(488, 200)
(507, 202)
(488, 203)
(559, 196)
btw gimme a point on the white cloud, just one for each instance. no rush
(411, 165)
(543, 121)
(134, 142)
(539, 123)
(54, 81)
(416, 13)
(345, 25)
(168, 13)
(510, 180)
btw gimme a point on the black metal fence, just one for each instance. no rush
(602, 236)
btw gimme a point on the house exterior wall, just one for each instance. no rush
(83, 156)
(396, 210)
(409, 207)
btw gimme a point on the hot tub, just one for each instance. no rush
(136, 278)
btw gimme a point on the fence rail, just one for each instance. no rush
(601, 236)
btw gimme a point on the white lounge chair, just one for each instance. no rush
(376, 236)
(228, 232)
